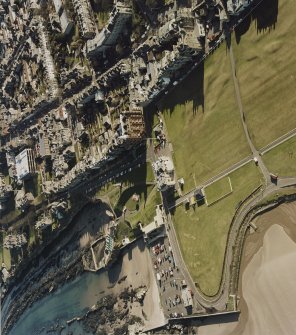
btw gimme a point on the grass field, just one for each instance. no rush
(139, 181)
(146, 211)
(218, 189)
(203, 122)
(282, 159)
(6, 258)
(266, 69)
(202, 232)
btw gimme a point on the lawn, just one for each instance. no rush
(218, 190)
(146, 211)
(266, 69)
(202, 232)
(139, 181)
(203, 122)
(6, 258)
(114, 190)
(142, 190)
(282, 159)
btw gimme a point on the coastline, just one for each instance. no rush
(130, 271)
(255, 246)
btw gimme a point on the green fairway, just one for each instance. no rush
(217, 190)
(202, 232)
(205, 140)
(282, 159)
(266, 69)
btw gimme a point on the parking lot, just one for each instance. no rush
(170, 280)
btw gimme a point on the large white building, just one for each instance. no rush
(25, 164)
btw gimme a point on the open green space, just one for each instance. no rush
(139, 181)
(146, 212)
(202, 231)
(217, 190)
(266, 69)
(125, 197)
(282, 159)
(203, 122)
(6, 258)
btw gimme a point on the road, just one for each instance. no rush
(278, 141)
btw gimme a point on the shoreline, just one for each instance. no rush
(279, 216)
(283, 216)
(125, 273)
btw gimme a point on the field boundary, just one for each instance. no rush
(221, 197)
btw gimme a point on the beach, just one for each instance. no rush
(268, 276)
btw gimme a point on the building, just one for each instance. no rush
(25, 164)
(44, 149)
(234, 7)
(85, 19)
(132, 124)
(108, 37)
(14, 241)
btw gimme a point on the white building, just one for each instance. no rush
(25, 164)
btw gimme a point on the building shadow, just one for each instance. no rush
(189, 89)
(265, 15)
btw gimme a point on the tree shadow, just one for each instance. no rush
(265, 15)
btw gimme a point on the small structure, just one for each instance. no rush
(25, 164)
(187, 297)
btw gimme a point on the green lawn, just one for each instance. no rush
(146, 211)
(139, 176)
(282, 159)
(142, 190)
(217, 190)
(202, 232)
(6, 258)
(205, 140)
(266, 69)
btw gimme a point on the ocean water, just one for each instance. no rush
(71, 300)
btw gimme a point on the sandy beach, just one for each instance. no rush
(268, 277)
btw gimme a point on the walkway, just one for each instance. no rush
(243, 120)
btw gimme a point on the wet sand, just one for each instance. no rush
(268, 278)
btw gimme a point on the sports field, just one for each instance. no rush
(203, 122)
(218, 190)
(202, 232)
(282, 159)
(266, 69)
